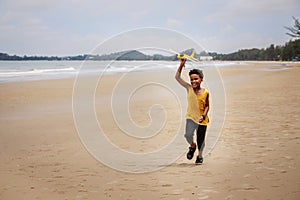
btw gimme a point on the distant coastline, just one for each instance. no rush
(288, 52)
(123, 55)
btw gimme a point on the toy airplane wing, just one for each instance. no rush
(188, 57)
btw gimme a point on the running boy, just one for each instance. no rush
(198, 107)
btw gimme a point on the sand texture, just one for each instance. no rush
(256, 156)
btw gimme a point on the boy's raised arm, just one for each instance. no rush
(178, 75)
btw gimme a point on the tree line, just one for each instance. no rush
(288, 52)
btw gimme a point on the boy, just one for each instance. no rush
(198, 107)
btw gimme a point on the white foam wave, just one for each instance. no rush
(35, 72)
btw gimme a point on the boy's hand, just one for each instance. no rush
(201, 119)
(182, 61)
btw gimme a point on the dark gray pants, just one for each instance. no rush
(190, 129)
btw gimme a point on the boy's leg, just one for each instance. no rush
(190, 128)
(201, 132)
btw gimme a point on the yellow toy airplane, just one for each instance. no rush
(184, 56)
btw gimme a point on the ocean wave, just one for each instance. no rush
(7, 73)
(22, 71)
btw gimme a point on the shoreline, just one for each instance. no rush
(32, 73)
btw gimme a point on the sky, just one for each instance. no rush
(73, 27)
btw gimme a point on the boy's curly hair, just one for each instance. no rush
(196, 71)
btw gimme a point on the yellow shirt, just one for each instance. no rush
(196, 106)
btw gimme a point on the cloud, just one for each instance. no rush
(174, 23)
(138, 15)
(238, 10)
(29, 6)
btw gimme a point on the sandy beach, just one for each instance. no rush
(256, 156)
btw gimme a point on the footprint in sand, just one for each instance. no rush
(165, 184)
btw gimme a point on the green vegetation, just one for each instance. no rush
(126, 55)
(290, 51)
(129, 55)
(5, 56)
(294, 31)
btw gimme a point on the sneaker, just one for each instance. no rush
(199, 160)
(191, 152)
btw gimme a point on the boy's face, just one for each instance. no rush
(195, 80)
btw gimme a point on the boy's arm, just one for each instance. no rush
(178, 75)
(206, 109)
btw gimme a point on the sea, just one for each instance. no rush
(16, 71)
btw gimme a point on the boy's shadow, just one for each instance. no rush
(180, 165)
